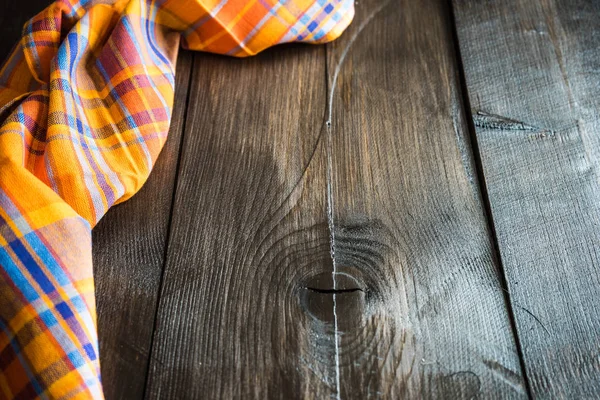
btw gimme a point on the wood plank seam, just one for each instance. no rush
(330, 178)
(480, 179)
(174, 193)
(531, 70)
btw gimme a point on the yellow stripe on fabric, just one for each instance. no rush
(47, 215)
(65, 386)
(37, 218)
(150, 71)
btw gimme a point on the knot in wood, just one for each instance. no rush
(319, 296)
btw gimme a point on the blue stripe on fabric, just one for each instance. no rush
(89, 350)
(99, 168)
(37, 245)
(49, 261)
(33, 49)
(48, 318)
(81, 158)
(169, 73)
(17, 277)
(76, 359)
(61, 58)
(53, 267)
(150, 28)
(64, 310)
(36, 272)
(72, 39)
(79, 304)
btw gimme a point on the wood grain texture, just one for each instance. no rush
(532, 70)
(129, 250)
(408, 220)
(252, 304)
(249, 229)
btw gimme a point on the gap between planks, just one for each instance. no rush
(169, 225)
(480, 178)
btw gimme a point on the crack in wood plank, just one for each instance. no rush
(330, 204)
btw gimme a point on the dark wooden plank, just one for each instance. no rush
(249, 306)
(532, 70)
(129, 249)
(249, 229)
(408, 221)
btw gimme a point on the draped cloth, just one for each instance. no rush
(85, 105)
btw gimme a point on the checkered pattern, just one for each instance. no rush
(85, 106)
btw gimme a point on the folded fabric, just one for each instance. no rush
(85, 106)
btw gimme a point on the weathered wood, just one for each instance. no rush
(129, 247)
(249, 306)
(249, 229)
(532, 70)
(407, 216)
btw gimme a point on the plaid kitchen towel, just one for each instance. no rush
(85, 106)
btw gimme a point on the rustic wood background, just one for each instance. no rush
(411, 211)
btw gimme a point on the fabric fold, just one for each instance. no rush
(85, 107)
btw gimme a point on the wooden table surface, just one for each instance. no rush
(411, 211)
